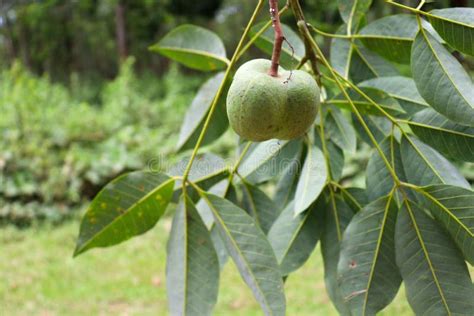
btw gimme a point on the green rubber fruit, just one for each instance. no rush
(262, 107)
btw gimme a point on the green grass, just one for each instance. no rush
(39, 277)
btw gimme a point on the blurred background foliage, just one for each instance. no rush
(82, 99)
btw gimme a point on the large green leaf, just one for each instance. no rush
(454, 208)
(391, 36)
(288, 58)
(197, 113)
(456, 27)
(340, 130)
(251, 252)
(441, 80)
(379, 180)
(436, 278)
(424, 166)
(128, 206)
(451, 139)
(259, 206)
(267, 159)
(194, 47)
(337, 215)
(368, 275)
(353, 10)
(403, 89)
(312, 180)
(380, 127)
(294, 238)
(192, 267)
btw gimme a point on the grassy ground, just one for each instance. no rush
(39, 277)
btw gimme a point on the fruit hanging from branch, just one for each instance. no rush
(262, 107)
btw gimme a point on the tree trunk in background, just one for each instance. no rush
(9, 42)
(23, 41)
(120, 31)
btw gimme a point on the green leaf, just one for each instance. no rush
(219, 246)
(267, 159)
(356, 62)
(259, 206)
(197, 113)
(391, 36)
(402, 89)
(437, 280)
(424, 166)
(369, 277)
(380, 128)
(221, 189)
(337, 216)
(207, 170)
(356, 198)
(451, 139)
(286, 185)
(251, 252)
(366, 65)
(454, 208)
(128, 206)
(385, 101)
(294, 238)
(379, 180)
(441, 80)
(192, 266)
(341, 51)
(336, 162)
(456, 27)
(353, 10)
(312, 180)
(288, 59)
(194, 47)
(340, 130)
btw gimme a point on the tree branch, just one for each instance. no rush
(279, 38)
(309, 52)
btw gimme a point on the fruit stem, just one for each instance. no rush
(309, 52)
(279, 38)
